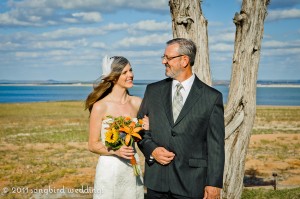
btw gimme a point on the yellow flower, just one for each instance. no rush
(111, 136)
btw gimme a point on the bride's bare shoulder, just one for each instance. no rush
(100, 106)
(136, 101)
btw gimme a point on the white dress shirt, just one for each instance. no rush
(187, 85)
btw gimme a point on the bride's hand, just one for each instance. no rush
(146, 123)
(125, 152)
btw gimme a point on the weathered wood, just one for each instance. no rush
(188, 22)
(241, 104)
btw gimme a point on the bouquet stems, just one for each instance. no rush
(135, 167)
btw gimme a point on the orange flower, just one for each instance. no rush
(131, 131)
(125, 125)
(127, 118)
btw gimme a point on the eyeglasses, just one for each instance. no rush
(164, 57)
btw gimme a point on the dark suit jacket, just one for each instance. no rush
(196, 138)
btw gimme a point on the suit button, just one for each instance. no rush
(173, 134)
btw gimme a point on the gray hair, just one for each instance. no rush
(186, 47)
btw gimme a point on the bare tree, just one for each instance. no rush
(188, 22)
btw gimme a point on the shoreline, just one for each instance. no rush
(70, 101)
(83, 84)
(75, 84)
(279, 85)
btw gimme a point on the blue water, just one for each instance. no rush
(15, 94)
(12, 94)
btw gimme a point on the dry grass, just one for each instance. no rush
(275, 146)
(273, 120)
(45, 144)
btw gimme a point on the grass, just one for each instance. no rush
(273, 194)
(43, 122)
(270, 120)
(45, 144)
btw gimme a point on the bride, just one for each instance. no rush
(114, 177)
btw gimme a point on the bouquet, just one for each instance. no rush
(123, 131)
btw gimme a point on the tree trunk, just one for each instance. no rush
(241, 106)
(188, 22)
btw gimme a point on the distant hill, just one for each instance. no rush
(266, 82)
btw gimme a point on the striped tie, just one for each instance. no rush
(177, 101)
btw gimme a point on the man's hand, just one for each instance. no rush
(212, 192)
(162, 155)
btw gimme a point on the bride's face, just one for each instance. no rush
(126, 77)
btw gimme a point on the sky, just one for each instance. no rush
(65, 40)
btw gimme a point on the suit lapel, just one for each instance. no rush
(193, 97)
(167, 100)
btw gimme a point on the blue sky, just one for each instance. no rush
(67, 39)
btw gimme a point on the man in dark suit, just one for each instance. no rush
(184, 148)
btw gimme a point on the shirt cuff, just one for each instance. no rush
(151, 158)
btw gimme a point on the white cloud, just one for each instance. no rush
(221, 56)
(281, 52)
(222, 47)
(215, 23)
(281, 44)
(222, 37)
(73, 32)
(148, 40)
(151, 25)
(283, 14)
(88, 16)
(98, 45)
(283, 3)
(279, 3)
(115, 26)
(54, 12)
(110, 5)
(58, 44)
(7, 19)
(28, 54)
(6, 46)
(69, 37)
(35, 19)
(139, 54)
(90, 4)
(68, 20)
(43, 54)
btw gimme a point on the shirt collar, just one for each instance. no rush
(187, 84)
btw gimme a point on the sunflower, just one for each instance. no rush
(111, 136)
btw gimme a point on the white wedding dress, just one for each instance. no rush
(114, 177)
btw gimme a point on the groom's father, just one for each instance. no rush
(184, 148)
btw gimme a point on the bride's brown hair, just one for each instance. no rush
(107, 83)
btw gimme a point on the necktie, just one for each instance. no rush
(177, 101)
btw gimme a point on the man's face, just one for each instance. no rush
(172, 61)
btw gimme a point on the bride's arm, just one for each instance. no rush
(137, 103)
(95, 145)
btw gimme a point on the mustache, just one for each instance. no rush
(172, 74)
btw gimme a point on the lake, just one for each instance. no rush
(278, 96)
